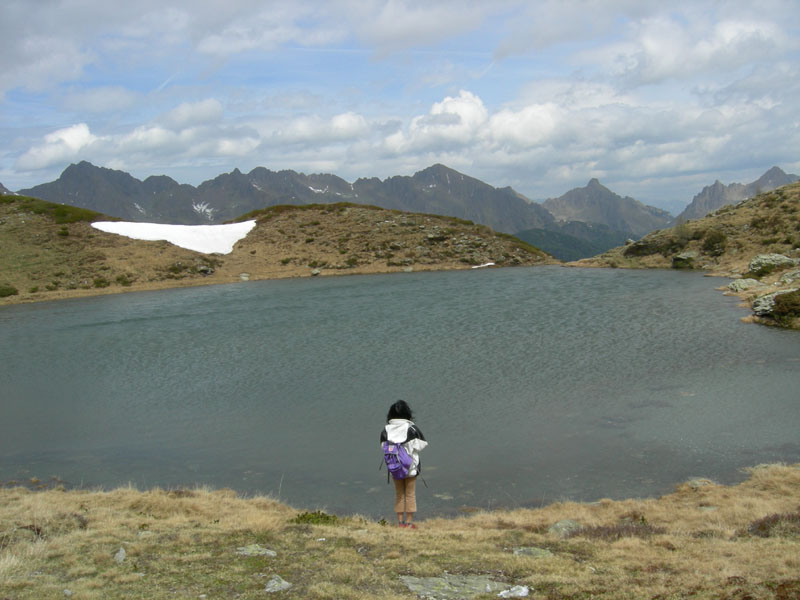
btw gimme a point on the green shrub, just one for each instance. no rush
(776, 525)
(63, 232)
(315, 518)
(787, 307)
(715, 243)
(101, 282)
(7, 290)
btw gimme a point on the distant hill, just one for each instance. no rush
(4, 189)
(595, 203)
(51, 250)
(718, 195)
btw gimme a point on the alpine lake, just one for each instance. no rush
(531, 385)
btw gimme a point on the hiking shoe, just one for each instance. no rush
(410, 526)
(402, 525)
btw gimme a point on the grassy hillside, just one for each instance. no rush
(703, 541)
(51, 251)
(724, 243)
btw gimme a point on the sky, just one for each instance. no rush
(655, 99)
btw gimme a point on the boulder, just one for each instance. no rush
(740, 285)
(766, 263)
(764, 305)
(564, 528)
(684, 260)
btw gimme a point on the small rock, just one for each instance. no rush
(67, 593)
(518, 591)
(277, 584)
(120, 556)
(244, 276)
(315, 272)
(255, 550)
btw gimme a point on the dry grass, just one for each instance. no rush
(45, 260)
(702, 541)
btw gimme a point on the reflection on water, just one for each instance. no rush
(531, 384)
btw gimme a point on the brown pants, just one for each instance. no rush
(405, 498)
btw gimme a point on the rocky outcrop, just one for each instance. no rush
(764, 305)
(763, 264)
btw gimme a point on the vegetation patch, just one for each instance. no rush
(7, 290)
(317, 517)
(776, 525)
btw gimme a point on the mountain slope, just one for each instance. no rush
(718, 195)
(51, 250)
(595, 203)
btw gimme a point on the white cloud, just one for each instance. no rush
(189, 114)
(62, 145)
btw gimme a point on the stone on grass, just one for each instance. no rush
(768, 262)
(277, 584)
(120, 556)
(255, 550)
(533, 551)
(452, 587)
(564, 528)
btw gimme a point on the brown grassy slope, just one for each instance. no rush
(703, 541)
(724, 242)
(43, 258)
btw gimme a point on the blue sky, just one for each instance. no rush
(655, 99)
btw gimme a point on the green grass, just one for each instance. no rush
(60, 213)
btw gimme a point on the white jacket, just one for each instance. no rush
(402, 431)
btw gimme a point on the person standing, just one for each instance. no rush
(400, 429)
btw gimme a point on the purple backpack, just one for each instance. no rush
(397, 459)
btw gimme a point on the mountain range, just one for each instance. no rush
(715, 196)
(582, 222)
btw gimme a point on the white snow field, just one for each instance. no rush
(208, 239)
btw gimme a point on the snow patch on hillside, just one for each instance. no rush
(208, 239)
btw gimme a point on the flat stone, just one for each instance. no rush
(533, 551)
(120, 556)
(255, 550)
(452, 587)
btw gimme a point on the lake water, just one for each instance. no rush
(531, 385)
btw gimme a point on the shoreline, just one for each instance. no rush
(702, 540)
